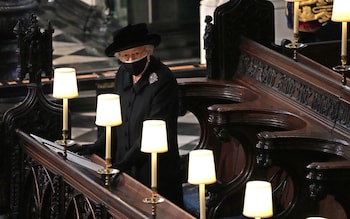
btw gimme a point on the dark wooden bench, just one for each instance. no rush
(270, 117)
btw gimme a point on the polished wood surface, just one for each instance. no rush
(264, 114)
(122, 199)
(269, 122)
(270, 117)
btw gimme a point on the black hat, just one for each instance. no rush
(131, 36)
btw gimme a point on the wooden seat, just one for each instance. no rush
(295, 116)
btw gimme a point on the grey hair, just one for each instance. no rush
(148, 47)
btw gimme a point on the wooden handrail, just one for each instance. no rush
(122, 199)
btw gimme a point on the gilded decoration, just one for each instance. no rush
(313, 14)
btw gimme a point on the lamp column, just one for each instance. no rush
(341, 13)
(201, 171)
(295, 45)
(65, 87)
(108, 114)
(154, 140)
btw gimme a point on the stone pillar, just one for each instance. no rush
(11, 11)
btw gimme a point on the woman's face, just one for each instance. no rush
(133, 54)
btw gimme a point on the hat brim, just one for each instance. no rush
(150, 39)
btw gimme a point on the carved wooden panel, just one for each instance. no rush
(73, 191)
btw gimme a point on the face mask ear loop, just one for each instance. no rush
(147, 63)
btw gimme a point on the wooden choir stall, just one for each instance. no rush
(37, 181)
(265, 114)
(269, 115)
(71, 188)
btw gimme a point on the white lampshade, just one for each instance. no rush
(341, 11)
(65, 83)
(258, 200)
(316, 218)
(201, 167)
(154, 137)
(108, 111)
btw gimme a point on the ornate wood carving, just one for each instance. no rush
(48, 196)
(331, 107)
(285, 120)
(229, 27)
(300, 114)
(37, 113)
(11, 11)
(35, 50)
(330, 178)
(62, 189)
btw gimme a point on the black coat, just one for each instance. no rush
(154, 96)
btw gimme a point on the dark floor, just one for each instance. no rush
(84, 130)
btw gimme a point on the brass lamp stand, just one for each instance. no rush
(108, 114)
(201, 171)
(65, 87)
(154, 140)
(295, 45)
(341, 13)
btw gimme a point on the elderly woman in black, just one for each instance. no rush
(148, 90)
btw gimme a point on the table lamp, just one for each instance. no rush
(316, 218)
(108, 114)
(154, 140)
(65, 87)
(258, 200)
(341, 13)
(295, 45)
(201, 171)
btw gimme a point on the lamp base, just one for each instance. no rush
(295, 45)
(341, 68)
(67, 142)
(108, 171)
(153, 200)
(107, 174)
(344, 70)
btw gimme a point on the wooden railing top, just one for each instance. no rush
(121, 199)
